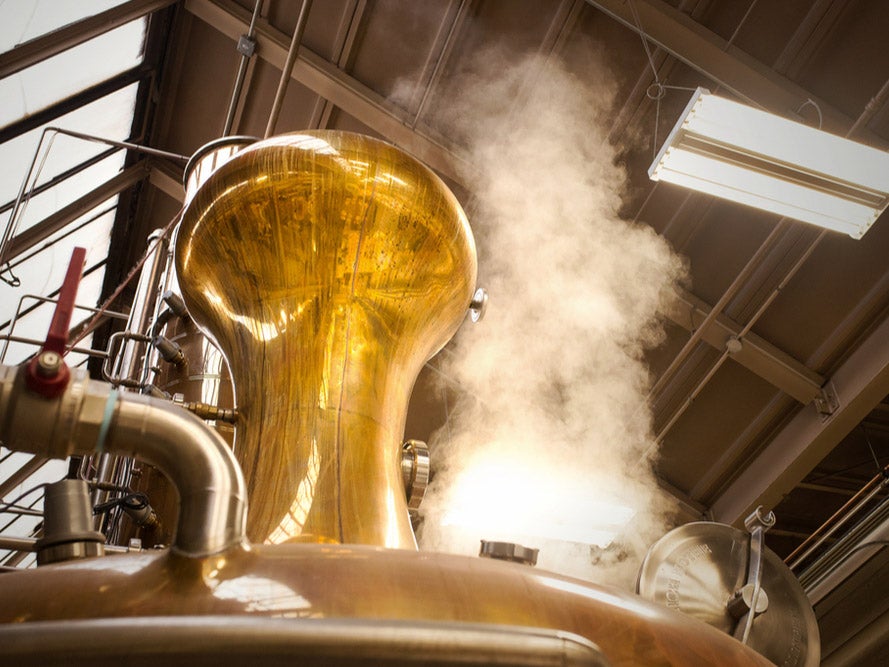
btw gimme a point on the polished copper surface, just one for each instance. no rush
(328, 267)
(303, 581)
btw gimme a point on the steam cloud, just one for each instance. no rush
(548, 440)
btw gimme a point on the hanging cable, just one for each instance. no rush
(5, 506)
(132, 501)
(658, 89)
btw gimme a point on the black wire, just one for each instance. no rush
(132, 501)
(12, 503)
(880, 469)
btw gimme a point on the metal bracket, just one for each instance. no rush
(827, 402)
(246, 45)
(415, 471)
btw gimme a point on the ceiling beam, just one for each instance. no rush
(327, 80)
(66, 215)
(861, 383)
(166, 179)
(754, 353)
(724, 64)
(53, 43)
(350, 26)
(20, 476)
(77, 100)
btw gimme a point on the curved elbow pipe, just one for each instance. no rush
(212, 493)
(92, 417)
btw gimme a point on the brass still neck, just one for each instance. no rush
(328, 267)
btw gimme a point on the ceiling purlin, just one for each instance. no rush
(350, 28)
(53, 43)
(725, 65)
(754, 353)
(860, 384)
(328, 81)
(439, 53)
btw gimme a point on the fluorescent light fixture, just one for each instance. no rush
(753, 157)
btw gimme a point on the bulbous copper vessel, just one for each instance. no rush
(301, 582)
(328, 267)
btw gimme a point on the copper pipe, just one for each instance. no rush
(823, 528)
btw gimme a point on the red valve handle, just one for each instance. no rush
(47, 373)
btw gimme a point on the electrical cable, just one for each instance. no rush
(134, 501)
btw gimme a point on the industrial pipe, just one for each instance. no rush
(292, 55)
(91, 417)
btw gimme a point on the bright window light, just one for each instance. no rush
(753, 157)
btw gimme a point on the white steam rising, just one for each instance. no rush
(548, 439)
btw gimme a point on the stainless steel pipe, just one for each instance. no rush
(91, 417)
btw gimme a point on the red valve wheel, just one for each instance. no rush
(47, 373)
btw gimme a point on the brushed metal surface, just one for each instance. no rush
(697, 568)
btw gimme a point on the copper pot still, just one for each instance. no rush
(328, 267)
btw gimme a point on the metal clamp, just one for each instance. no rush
(750, 600)
(415, 471)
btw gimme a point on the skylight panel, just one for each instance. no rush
(34, 323)
(24, 21)
(110, 117)
(48, 202)
(58, 77)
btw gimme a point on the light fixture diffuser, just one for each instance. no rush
(753, 157)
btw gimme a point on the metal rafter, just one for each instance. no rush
(859, 384)
(55, 42)
(712, 56)
(754, 353)
(325, 79)
(86, 96)
(440, 52)
(21, 475)
(353, 18)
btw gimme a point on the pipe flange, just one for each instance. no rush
(415, 471)
(58, 553)
(478, 305)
